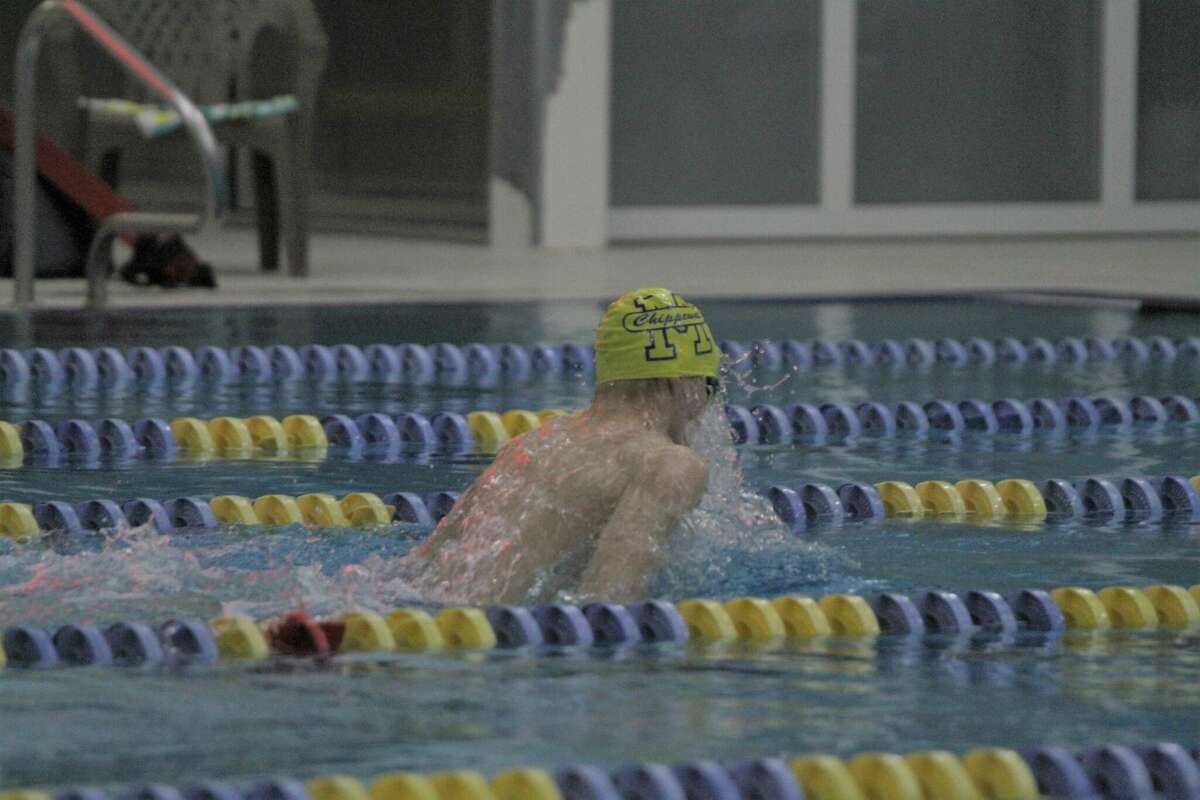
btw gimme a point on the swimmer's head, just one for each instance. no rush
(654, 333)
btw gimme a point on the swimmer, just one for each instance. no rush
(585, 504)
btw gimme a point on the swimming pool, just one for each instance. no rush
(664, 703)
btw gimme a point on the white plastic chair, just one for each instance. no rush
(205, 48)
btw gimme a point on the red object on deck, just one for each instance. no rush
(69, 176)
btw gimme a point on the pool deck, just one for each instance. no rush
(356, 269)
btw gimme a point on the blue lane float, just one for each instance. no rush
(773, 425)
(80, 371)
(121, 644)
(286, 365)
(181, 367)
(253, 364)
(876, 420)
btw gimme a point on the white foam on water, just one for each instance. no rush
(143, 574)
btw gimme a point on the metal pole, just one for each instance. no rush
(29, 46)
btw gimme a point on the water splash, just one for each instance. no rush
(140, 574)
(733, 542)
(739, 373)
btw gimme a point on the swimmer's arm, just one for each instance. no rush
(450, 527)
(632, 544)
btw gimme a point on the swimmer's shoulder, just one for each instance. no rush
(675, 475)
(646, 452)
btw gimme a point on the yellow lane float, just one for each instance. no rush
(519, 421)
(11, 449)
(239, 637)
(1081, 608)
(707, 621)
(414, 629)
(900, 499)
(1022, 499)
(365, 508)
(981, 499)
(940, 499)
(849, 615)
(461, 784)
(885, 776)
(942, 776)
(232, 509)
(1001, 774)
(488, 430)
(304, 432)
(230, 436)
(267, 435)
(320, 510)
(1128, 607)
(825, 777)
(366, 632)
(278, 510)
(1174, 606)
(192, 435)
(755, 619)
(801, 616)
(17, 521)
(402, 786)
(465, 629)
(525, 784)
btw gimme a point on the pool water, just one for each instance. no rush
(366, 715)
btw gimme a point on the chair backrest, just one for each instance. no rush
(204, 45)
(297, 20)
(190, 42)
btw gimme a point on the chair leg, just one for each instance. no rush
(266, 203)
(295, 224)
(298, 232)
(110, 167)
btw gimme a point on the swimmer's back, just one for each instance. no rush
(546, 497)
(595, 462)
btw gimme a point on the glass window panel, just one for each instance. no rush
(714, 102)
(1168, 125)
(977, 101)
(403, 108)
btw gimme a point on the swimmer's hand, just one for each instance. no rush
(663, 486)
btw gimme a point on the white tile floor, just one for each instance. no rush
(362, 269)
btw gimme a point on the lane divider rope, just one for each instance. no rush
(379, 437)
(1172, 499)
(43, 372)
(1112, 772)
(1094, 500)
(703, 621)
(806, 422)
(391, 437)
(375, 435)
(314, 510)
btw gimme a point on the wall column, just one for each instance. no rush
(550, 123)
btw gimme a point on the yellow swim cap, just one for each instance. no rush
(654, 333)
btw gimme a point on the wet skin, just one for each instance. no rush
(583, 505)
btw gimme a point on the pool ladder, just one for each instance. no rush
(25, 173)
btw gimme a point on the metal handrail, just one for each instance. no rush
(24, 172)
